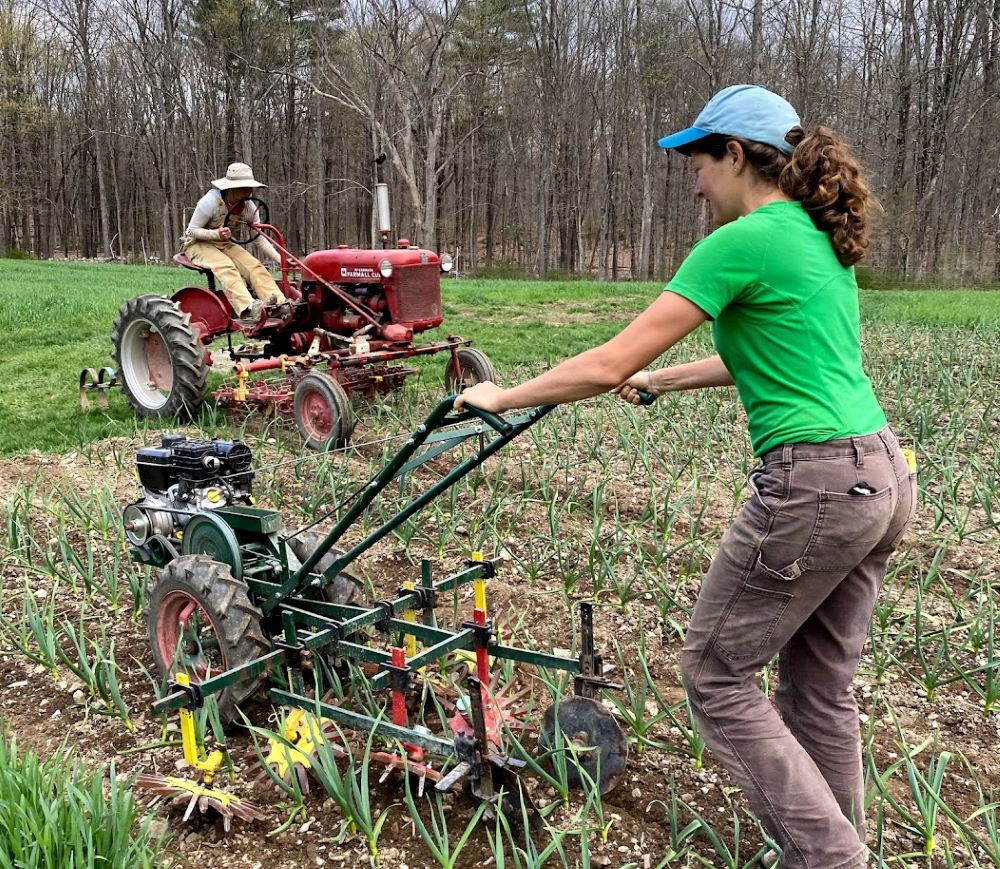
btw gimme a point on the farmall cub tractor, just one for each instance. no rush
(350, 326)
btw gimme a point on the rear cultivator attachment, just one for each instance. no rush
(199, 793)
(240, 605)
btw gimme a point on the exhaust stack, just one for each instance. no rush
(382, 202)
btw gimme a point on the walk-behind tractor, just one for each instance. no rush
(348, 330)
(241, 604)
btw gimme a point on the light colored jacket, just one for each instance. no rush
(210, 216)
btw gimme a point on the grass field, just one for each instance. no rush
(56, 319)
(600, 501)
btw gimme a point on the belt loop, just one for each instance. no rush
(859, 452)
(786, 456)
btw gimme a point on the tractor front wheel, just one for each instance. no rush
(322, 412)
(201, 621)
(160, 358)
(474, 367)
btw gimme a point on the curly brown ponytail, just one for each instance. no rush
(824, 176)
(821, 173)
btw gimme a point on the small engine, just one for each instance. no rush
(183, 477)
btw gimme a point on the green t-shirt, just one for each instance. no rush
(786, 324)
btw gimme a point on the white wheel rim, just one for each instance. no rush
(145, 364)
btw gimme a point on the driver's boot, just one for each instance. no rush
(253, 312)
(281, 309)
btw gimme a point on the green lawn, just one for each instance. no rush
(56, 319)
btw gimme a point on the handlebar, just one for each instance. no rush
(426, 443)
(497, 423)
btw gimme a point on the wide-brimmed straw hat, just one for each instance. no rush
(237, 175)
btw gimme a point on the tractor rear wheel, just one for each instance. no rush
(201, 621)
(475, 367)
(345, 588)
(322, 412)
(160, 358)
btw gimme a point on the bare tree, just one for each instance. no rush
(521, 132)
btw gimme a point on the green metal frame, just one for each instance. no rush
(331, 627)
(309, 625)
(436, 442)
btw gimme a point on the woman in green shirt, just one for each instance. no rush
(798, 572)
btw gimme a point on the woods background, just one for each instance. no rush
(522, 135)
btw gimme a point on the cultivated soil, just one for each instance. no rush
(46, 713)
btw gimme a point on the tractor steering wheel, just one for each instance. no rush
(243, 231)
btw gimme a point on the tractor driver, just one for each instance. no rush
(207, 242)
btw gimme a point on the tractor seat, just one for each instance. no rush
(182, 259)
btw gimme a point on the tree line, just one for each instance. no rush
(521, 134)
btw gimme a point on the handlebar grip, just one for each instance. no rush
(495, 422)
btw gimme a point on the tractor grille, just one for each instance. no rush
(415, 297)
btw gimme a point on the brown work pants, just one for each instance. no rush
(235, 268)
(797, 575)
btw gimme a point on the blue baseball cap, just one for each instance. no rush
(745, 111)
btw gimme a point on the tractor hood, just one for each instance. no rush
(352, 265)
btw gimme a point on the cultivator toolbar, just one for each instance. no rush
(239, 603)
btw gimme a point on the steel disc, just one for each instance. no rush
(595, 747)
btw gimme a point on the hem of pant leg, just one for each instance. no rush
(775, 816)
(858, 860)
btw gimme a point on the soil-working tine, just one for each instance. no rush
(485, 769)
(583, 684)
(194, 752)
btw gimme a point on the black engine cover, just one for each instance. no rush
(194, 464)
(156, 468)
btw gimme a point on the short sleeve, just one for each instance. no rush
(720, 267)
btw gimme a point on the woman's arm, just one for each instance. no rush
(691, 375)
(594, 371)
(205, 212)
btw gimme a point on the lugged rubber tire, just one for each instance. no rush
(154, 340)
(235, 622)
(476, 368)
(322, 411)
(345, 588)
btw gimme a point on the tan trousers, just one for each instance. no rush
(235, 268)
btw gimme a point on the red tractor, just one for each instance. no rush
(352, 320)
